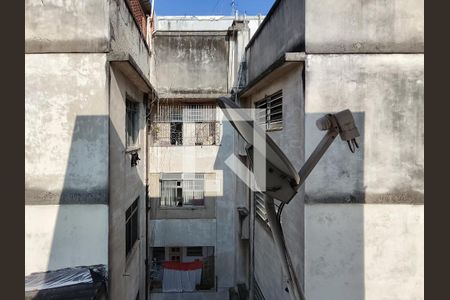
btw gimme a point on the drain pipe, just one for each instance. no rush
(295, 290)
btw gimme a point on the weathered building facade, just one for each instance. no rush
(132, 177)
(87, 70)
(356, 230)
(193, 214)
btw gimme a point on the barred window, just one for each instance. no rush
(185, 124)
(132, 226)
(179, 190)
(271, 114)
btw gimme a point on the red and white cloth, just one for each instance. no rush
(181, 276)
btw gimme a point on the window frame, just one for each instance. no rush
(205, 130)
(177, 182)
(196, 249)
(270, 103)
(132, 117)
(131, 226)
(260, 210)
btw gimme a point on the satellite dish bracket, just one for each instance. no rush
(341, 123)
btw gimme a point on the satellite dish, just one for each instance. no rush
(281, 179)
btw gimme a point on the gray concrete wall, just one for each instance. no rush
(221, 294)
(126, 36)
(364, 251)
(357, 59)
(386, 94)
(61, 236)
(207, 211)
(66, 26)
(183, 233)
(191, 64)
(267, 267)
(191, 232)
(202, 23)
(361, 26)
(281, 31)
(66, 160)
(126, 184)
(226, 214)
(66, 129)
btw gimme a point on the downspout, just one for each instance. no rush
(146, 197)
(251, 280)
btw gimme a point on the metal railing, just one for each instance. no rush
(187, 134)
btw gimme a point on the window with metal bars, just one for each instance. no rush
(260, 209)
(271, 111)
(132, 123)
(185, 124)
(180, 190)
(132, 225)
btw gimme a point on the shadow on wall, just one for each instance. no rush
(226, 216)
(81, 225)
(334, 233)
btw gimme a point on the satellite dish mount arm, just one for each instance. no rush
(342, 124)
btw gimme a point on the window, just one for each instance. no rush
(176, 133)
(179, 190)
(194, 251)
(185, 124)
(260, 209)
(132, 225)
(132, 123)
(175, 254)
(159, 254)
(271, 115)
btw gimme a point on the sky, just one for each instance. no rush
(210, 7)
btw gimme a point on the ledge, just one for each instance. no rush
(126, 63)
(132, 149)
(179, 33)
(286, 59)
(193, 97)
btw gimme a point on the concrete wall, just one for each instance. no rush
(281, 31)
(370, 251)
(368, 57)
(361, 26)
(126, 37)
(289, 139)
(177, 159)
(66, 129)
(202, 23)
(53, 232)
(385, 91)
(191, 63)
(126, 184)
(221, 294)
(195, 232)
(66, 26)
(183, 233)
(66, 160)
